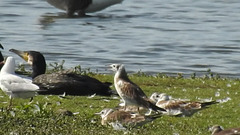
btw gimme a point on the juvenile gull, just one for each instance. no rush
(179, 106)
(218, 130)
(129, 91)
(124, 118)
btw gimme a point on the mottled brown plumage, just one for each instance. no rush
(179, 106)
(217, 130)
(125, 118)
(129, 91)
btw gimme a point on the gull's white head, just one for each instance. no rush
(215, 129)
(164, 97)
(9, 66)
(155, 97)
(105, 112)
(116, 67)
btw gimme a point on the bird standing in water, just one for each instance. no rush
(82, 6)
(59, 83)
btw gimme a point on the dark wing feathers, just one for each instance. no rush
(132, 89)
(71, 84)
(75, 5)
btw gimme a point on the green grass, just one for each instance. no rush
(42, 117)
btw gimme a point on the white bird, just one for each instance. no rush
(82, 6)
(14, 85)
(129, 91)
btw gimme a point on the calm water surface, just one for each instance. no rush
(152, 36)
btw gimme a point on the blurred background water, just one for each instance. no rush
(177, 36)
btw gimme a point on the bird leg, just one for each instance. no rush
(138, 110)
(81, 13)
(70, 12)
(125, 108)
(31, 99)
(10, 103)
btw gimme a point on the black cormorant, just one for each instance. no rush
(59, 83)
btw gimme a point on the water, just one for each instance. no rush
(154, 36)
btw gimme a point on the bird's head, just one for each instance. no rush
(9, 65)
(24, 55)
(105, 112)
(116, 67)
(34, 58)
(215, 129)
(164, 97)
(154, 97)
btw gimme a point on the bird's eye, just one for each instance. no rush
(114, 66)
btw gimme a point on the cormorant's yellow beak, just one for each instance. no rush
(22, 54)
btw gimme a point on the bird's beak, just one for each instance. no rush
(22, 54)
(98, 113)
(1, 46)
(210, 128)
(110, 67)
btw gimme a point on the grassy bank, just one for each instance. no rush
(43, 116)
